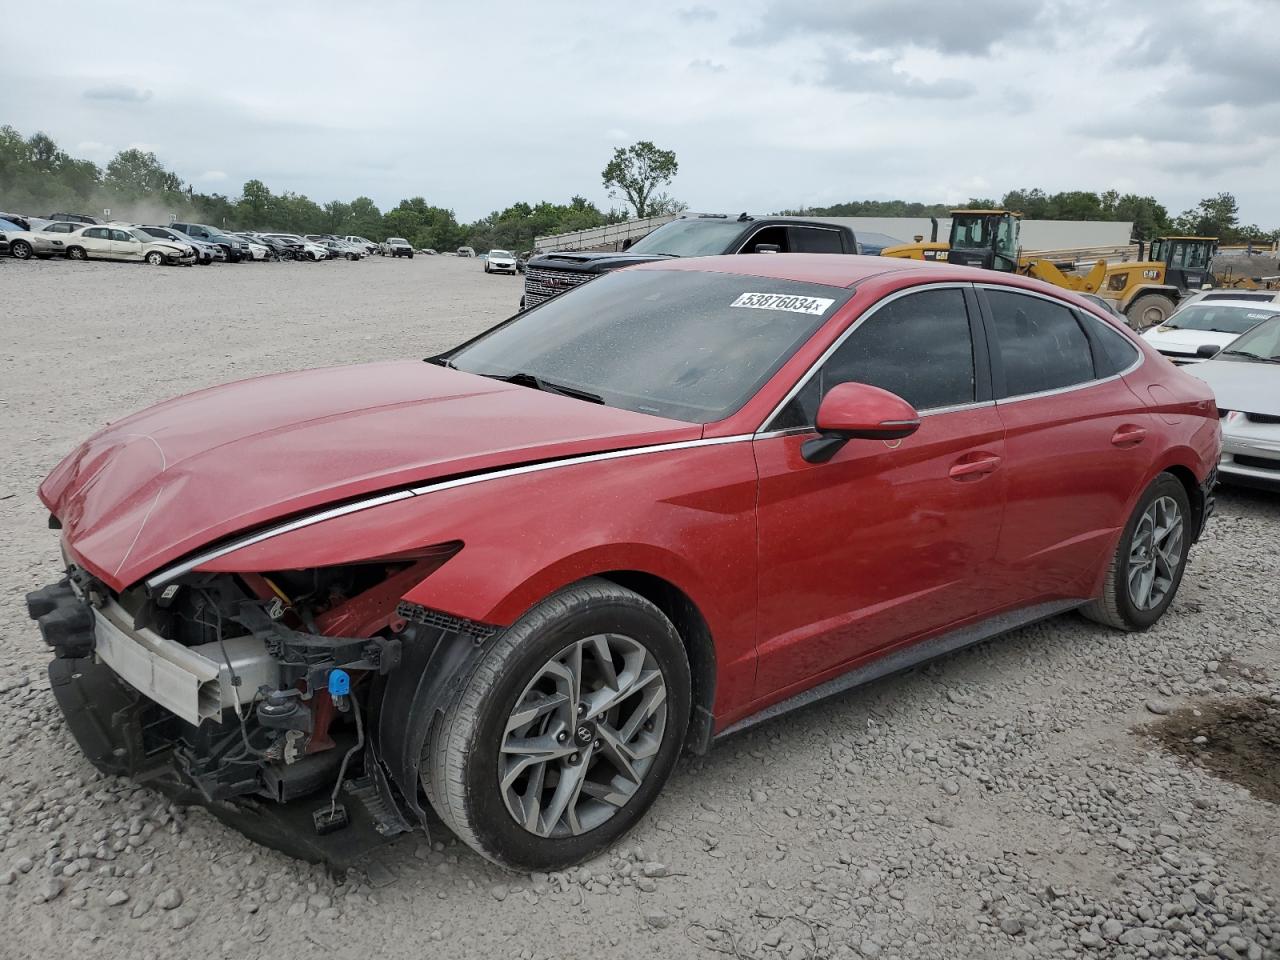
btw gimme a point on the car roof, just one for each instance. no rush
(835, 270)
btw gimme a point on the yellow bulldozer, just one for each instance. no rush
(1146, 291)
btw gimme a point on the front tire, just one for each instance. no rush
(21, 250)
(76, 253)
(1149, 561)
(567, 727)
(1149, 310)
(155, 259)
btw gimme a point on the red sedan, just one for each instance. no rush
(513, 582)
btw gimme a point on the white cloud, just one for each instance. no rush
(767, 104)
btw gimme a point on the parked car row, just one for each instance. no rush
(80, 237)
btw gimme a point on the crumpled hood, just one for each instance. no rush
(185, 473)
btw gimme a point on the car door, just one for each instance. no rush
(1075, 436)
(889, 539)
(97, 242)
(125, 246)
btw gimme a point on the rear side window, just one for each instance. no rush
(98, 233)
(815, 240)
(1112, 351)
(1040, 344)
(918, 346)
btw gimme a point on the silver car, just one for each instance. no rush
(1245, 377)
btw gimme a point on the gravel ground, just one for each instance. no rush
(1012, 800)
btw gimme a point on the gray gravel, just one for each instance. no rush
(1003, 802)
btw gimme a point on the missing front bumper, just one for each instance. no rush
(123, 734)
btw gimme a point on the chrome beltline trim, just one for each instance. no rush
(186, 566)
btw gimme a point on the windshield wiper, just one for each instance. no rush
(523, 379)
(441, 361)
(1251, 356)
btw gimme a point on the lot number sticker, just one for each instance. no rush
(779, 301)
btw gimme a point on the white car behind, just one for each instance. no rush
(25, 244)
(1245, 378)
(1201, 329)
(500, 261)
(121, 242)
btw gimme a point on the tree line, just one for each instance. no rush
(1217, 216)
(38, 177)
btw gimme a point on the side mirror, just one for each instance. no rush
(1208, 350)
(858, 411)
(767, 248)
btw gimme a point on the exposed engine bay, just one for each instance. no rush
(263, 695)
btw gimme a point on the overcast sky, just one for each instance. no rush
(768, 104)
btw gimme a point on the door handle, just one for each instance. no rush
(1128, 435)
(974, 467)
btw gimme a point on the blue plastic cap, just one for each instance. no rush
(339, 683)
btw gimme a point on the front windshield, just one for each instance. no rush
(500, 253)
(142, 235)
(673, 343)
(397, 240)
(1217, 318)
(690, 238)
(970, 231)
(1260, 343)
(1189, 255)
(8, 227)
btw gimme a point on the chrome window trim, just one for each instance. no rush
(839, 341)
(1084, 384)
(173, 571)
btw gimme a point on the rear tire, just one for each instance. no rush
(1149, 310)
(1149, 561)
(573, 794)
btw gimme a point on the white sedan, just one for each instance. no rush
(25, 244)
(110, 242)
(1199, 330)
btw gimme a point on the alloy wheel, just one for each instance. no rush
(582, 736)
(1155, 553)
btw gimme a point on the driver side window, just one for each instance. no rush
(918, 346)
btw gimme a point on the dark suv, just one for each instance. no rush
(79, 218)
(691, 235)
(236, 248)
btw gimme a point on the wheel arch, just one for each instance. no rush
(678, 607)
(1195, 495)
(1165, 290)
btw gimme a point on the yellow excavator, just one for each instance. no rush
(1146, 291)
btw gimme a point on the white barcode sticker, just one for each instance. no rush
(782, 301)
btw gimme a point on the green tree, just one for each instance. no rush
(256, 205)
(635, 172)
(135, 172)
(1217, 216)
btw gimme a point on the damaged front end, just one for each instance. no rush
(294, 705)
